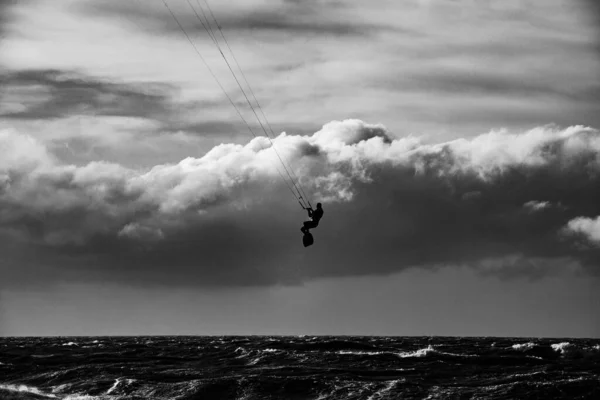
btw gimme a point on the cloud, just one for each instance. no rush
(588, 227)
(227, 218)
(46, 94)
(5, 6)
(496, 83)
(140, 232)
(292, 17)
(536, 205)
(445, 72)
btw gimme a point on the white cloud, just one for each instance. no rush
(589, 227)
(141, 232)
(536, 205)
(329, 163)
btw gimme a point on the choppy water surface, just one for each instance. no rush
(298, 368)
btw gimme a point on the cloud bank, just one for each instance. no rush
(227, 218)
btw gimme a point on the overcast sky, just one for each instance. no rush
(454, 146)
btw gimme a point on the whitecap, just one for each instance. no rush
(419, 353)
(114, 386)
(562, 347)
(383, 391)
(523, 346)
(270, 350)
(430, 350)
(27, 389)
(362, 353)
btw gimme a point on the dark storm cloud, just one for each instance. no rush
(227, 219)
(46, 94)
(215, 127)
(5, 6)
(497, 84)
(592, 8)
(292, 23)
(289, 17)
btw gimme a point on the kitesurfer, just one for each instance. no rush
(315, 215)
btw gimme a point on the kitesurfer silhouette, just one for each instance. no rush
(315, 216)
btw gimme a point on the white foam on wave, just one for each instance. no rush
(270, 350)
(69, 344)
(430, 350)
(255, 360)
(523, 346)
(242, 352)
(555, 382)
(567, 349)
(347, 390)
(380, 394)
(562, 347)
(407, 354)
(119, 383)
(528, 375)
(26, 389)
(363, 353)
(114, 386)
(418, 353)
(38, 392)
(61, 388)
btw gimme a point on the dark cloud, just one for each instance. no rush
(293, 17)
(54, 94)
(484, 82)
(227, 219)
(592, 8)
(5, 14)
(496, 84)
(292, 23)
(220, 128)
(46, 94)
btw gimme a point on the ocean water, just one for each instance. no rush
(263, 367)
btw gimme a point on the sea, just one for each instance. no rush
(298, 367)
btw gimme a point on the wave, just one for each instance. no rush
(523, 346)
(332, 346)
(289, 367)
(365, 353)
(431, 351)
(419, 353)
(23, 392)
(269, 350)
(550, 351)
(385, 390)
(119, 385)
(569, 350)
(424, 352)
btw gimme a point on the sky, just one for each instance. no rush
(454, 145)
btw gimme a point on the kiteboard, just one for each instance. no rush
(307, 239)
